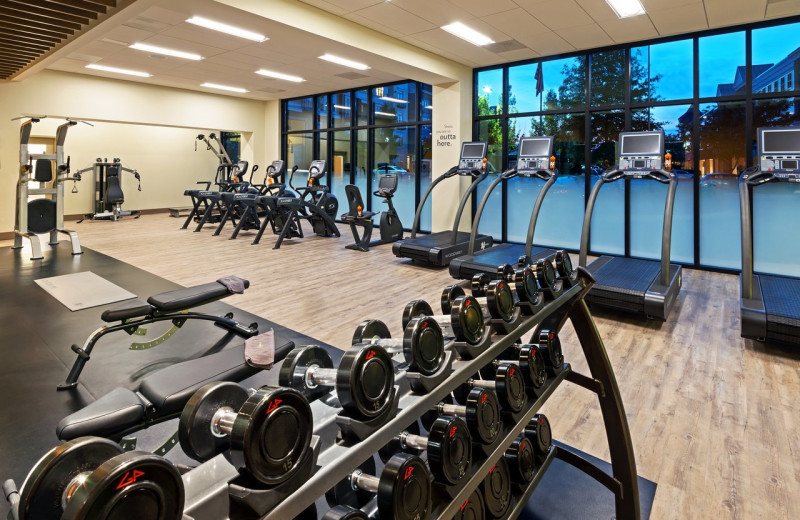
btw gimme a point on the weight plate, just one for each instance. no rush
(500, 300)
(506, 272)
(271, 434)
(466, 317)
(532, 364)
(370, 330)
(194, 426)
(525, 285)
(416, 309)
(496, 488)
(545, 275)
(449, 295)
(293, 370)
(510, 387)
(550, 346)
(404, 490)
(563, 264)
(344, 494)
(129, 486)
(449, 450)
(521, 460)
(479, 283)
(483, 415)
(364, 380)
(423, 346)
(41, 215)
(345, 513)
(43, 489)
(472, 508)
(538, 431)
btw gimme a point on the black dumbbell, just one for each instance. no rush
(546, 278)
(481, 412)
(363, 380)
(540, 435)
(342, 512)
(422, 343)
(465, 318)
(403, 489)
(494, 296)
(521, 281)
(91, 478)
(521, 460)
(265, 435)
(449, 447)
(528, 358)
(508, 384)
(549, 345)
(473, 507)
(496, 489)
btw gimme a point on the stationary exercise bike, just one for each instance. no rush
(391, 228)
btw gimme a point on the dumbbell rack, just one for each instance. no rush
(207, 487)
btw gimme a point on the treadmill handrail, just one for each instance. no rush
(666, 232)
(535, 213)
(465, 198)
(508, 174)
(418, 215)
(751, 177)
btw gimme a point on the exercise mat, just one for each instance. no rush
(83, 290)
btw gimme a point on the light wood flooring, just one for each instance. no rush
(714, 418)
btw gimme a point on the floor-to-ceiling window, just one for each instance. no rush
(363, 133)
(709, 93)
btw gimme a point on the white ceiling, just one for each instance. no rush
(529, 28)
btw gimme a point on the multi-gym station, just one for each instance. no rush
(399, 259)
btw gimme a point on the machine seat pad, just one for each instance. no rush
(115, 412)
(130, 309)
(189, 297)
(170, 388)
(365, 215)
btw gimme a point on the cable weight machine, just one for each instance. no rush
(109, 197)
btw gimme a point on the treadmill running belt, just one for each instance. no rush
(438, 239)
(782, 304)
(626, 275)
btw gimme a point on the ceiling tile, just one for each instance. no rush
(349, 5)
(783, 8)
(482, 8)
(631, 29)
(167, 16)
(662, 5)
(437, 12)
(585, 36)
(327, 6)
(164, 40)
(128, 35)
(192, 33)
(728, 12)
(688, 18)
(371, 24)
(466, 60)
(388, 14)
(519, 25)
(557, 14)
(444, 40)
(599, 10)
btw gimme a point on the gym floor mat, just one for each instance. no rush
(36, 332)
(84, 290)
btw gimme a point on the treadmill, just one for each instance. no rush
(633, 284)
(770, 303)
(441, 247)
(534, 160)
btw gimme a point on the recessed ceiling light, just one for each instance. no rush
(467, 33)
(224, 87)
(279, 75)
(626, 8)
(384, 114)
(167, 52)
(393, 100)
(116, 70)
(227, 29)
(344, 61)
(341, 107)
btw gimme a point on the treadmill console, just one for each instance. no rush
(534, 154)
(779, 152)
(472, 157)
(641, 151)
(317, 169)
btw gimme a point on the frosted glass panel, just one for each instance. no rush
(776, 234)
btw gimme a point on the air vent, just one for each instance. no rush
(271, 90)
(351, 75)
(506, 46)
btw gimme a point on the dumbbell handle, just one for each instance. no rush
(12, 496)
(410, 440)
(222, 421)
(316, 375)
(457, 410)
(360, 480)
(392, 346)
(472, 383)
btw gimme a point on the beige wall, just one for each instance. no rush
(150, 128)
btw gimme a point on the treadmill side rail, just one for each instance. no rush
(659, 299)
(754, 314)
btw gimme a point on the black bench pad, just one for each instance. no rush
(130, 309)
(170, 388)
(111, 414)
(190, 296)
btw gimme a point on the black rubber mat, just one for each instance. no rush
(782, 304)
(36, 332)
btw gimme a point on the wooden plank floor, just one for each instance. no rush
(714, 418)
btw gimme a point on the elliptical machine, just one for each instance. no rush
(391, 228)
(46, 214)
(320, 206)
(108, 190)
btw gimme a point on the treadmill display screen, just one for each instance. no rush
(780, 141)
(641, 144)
(535, 147)
(789, 165)
(473, 150)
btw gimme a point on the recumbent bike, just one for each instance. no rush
(391, 228)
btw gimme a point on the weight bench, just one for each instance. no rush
(168, 306)
(352, 217)
(160, 396)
